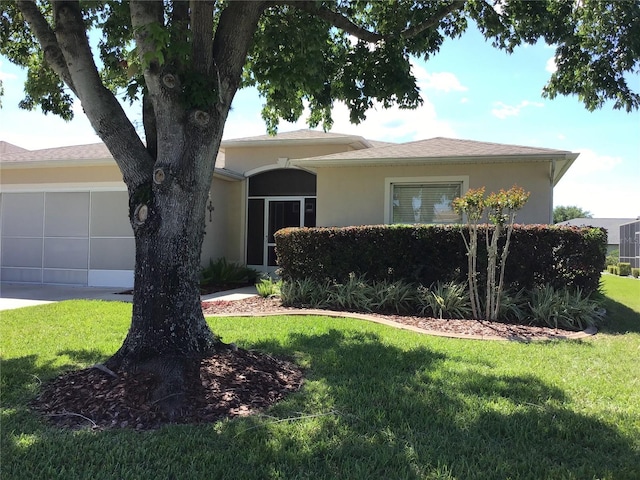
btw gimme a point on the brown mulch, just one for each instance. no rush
(257, 306)
(231, 384)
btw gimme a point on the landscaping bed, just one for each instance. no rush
(257, 306)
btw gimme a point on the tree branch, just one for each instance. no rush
(47, 39)
(234, 35)
(336, 19)
(342, 22)
(99, 104)
(432, 22)
(202, 31)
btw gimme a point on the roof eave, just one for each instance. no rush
(357, 142)
(566, 164)
(226, 174)
(379, 162)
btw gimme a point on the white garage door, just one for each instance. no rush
(79, 238)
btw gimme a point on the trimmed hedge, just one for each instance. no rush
(560, 256)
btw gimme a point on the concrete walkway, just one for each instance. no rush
(18, 295)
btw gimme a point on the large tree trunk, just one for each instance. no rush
(168, 334)
(186, 102)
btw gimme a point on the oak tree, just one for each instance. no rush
(185, 60)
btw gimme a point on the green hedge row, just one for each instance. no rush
(423, 254)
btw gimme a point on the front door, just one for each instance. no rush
(267, 216)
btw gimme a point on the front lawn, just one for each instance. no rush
(377, 403)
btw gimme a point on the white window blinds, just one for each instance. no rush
(425, 203)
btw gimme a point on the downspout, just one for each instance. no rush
(553, 174)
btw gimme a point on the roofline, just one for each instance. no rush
(276, 142)
(570, 158)
(448, 160)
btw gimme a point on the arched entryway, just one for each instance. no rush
(279, 198)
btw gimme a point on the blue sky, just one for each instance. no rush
(470, 90)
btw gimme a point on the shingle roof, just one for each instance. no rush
(94, 151)
(6, 147)
(439, 147)
(611, 225)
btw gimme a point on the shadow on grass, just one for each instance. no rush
(369, 409)
(620, 318)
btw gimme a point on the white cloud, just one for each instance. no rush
(441, 81)
(502, 110)
(604, 185)
(551, 66)
(599, 198)
(4, 75)
(590, 162)
(392, 125)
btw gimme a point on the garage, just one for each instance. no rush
(66, 237)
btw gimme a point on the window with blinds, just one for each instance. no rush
(425, 202)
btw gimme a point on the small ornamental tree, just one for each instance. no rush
(501, 209)
(472, 205)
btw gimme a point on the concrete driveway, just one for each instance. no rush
(17, 295)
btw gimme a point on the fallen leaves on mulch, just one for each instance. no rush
(230, 384)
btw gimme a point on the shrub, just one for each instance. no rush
(563, 308)
(352, 294)
(222, 272)
(635, 272)
(268, 287)
(393, 296)
(305, 292)
(624, 269)
(513, 306)
(425, 254)
(445, 300)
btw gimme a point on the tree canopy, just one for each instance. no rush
(307, 53)
(563, 213)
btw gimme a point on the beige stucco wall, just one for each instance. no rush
(223, 234)
(356, 195)
(244, 159)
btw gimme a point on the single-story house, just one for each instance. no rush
(63, 211)
(611, 225)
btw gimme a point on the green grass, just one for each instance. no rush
(377, 403)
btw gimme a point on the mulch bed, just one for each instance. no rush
(231, 384)
(257, 306)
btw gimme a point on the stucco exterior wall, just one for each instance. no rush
(356, 195)
(224, 234)
(244, 159)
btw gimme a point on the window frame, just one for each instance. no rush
(390, 182)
